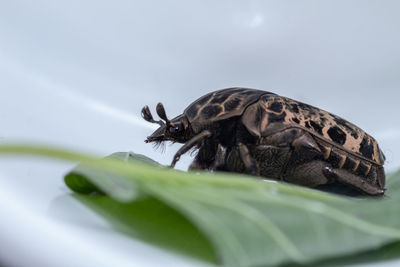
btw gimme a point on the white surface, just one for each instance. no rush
(76, 74)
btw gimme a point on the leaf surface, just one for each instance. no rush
(249, 222)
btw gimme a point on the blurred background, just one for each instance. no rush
(77, 73)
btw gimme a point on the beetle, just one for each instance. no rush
(264, 134)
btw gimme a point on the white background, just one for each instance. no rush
(77, 73)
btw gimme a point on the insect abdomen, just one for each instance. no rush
(338, 158)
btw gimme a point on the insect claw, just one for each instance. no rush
(174, 162)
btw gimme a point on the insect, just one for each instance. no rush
(261, 133)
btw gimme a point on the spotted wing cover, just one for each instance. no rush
(278, 109)
(221, 105)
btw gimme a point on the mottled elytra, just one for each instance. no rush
(264, 134)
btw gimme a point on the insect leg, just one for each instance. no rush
(305, 141)
(346, 177)
(220, 159)
(304, 149)
(206, 156)
(187, 146)
(248, 161)
(308, 174)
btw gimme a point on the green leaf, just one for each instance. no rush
(152, 221)
(385, 253)
(105, 181)
(249, 222)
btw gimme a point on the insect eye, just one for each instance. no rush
(174, 129)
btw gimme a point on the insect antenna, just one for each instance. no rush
(146, 114)
(161, 113)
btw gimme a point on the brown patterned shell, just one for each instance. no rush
(273, 112)
(221, 105)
